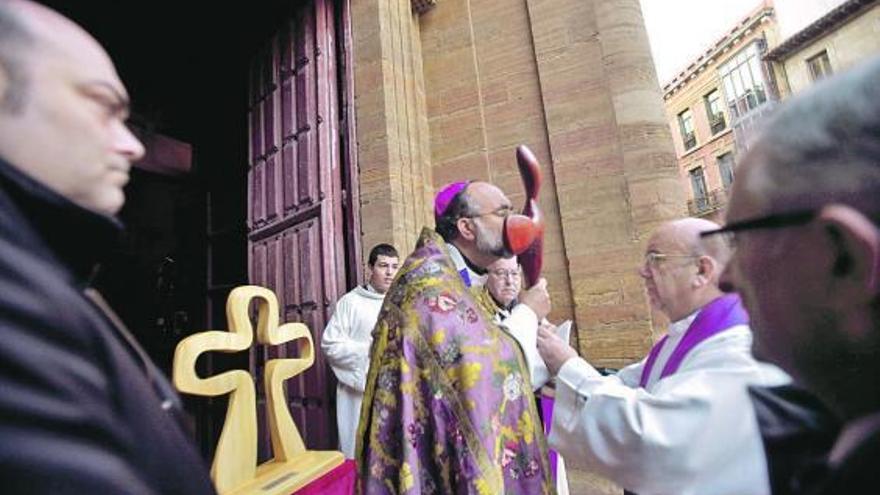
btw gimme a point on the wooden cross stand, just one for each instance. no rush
(235, 470)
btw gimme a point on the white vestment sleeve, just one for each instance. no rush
(632, 374)
(694, 433)
(523, 326)
(348, 358)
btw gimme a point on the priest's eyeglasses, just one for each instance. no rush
(776, 221)
(502, 274)
(502, 212)
(653, 259)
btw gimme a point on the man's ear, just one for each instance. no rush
(706, 270)
(466, 229)
(856, 265)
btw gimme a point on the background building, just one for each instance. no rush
(712, 105)
(841, 37)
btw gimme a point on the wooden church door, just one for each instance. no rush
(298, 197)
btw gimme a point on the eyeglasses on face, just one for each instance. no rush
(775, 221)
(501, 212)
(653, 258)
(514, 274)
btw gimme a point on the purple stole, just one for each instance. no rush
(719, 315)
(547, 416)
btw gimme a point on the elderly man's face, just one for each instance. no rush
(668, 270)
(70, 132)
(504, 280)
(778, 274)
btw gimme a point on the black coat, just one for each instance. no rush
(857, 471)
(82, 409)
(798, 431)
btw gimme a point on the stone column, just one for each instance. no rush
(392, 131)
(613, 161)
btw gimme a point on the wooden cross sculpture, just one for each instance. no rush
(235, 470)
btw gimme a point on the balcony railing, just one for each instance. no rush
(690, 140)
(703, 205)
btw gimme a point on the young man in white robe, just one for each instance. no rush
(680, 420)
(346, 340)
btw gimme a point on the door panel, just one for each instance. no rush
(295, 230)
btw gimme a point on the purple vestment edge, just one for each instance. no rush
(719, 315)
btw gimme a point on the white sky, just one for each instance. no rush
(680, 30)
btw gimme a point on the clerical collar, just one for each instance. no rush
(471, 274)
(472, 267)
(677, 328)
(502, 307)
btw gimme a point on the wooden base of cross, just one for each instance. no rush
(287, 477)
(235, 469)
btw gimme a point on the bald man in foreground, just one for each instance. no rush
(680, 420)
(82, 407)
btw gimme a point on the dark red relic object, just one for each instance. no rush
(524, 234)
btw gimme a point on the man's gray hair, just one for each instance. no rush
(15, 38)
(823, 145)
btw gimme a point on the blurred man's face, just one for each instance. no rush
(70, 132)
(504, 281)
(668, 270)
(777, 272)
(382, 272)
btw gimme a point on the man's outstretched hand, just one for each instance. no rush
(537, 298)
(552, 349)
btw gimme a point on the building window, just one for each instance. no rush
(713, 111)
(819, 65)
(725, 169)
(698, 184)
(743, 81)
(686, 125)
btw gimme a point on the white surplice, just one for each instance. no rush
(346, 345)
(693, 432)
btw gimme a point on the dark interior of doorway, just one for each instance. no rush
(185, 65)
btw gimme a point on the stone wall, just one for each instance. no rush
(614, 162)
(484, 99)
(573, 79)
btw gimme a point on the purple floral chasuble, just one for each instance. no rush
(448, 404)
